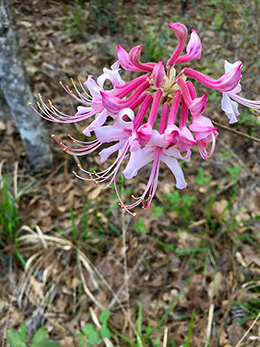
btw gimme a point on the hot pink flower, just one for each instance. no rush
(134, 109)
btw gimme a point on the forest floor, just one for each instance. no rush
(184, 272)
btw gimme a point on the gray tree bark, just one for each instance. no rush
(17, 92)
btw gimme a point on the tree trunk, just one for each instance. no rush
(17, 92)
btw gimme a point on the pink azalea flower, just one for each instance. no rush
(133, 108)
(229, 106)
(155, 151)
(204, 133)
(91, 99)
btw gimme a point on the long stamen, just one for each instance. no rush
(203, 152)
(70, 92)
(86, 98)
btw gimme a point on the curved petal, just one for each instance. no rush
(98, 122)
(109, 133)
(105, 153)
(158, 75)
(180, 31)
(133, 164)
(230, 108)
(186, 141)
(175, 168)
(93, 88)
(193, 49)
(123, 58)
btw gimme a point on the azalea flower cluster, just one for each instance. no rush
(126, 114)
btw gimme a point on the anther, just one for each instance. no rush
(39, 95)
(69, 90)
(132, 196)
(74, 173)
(95, 172)
(79, 81)
(65, 149)
(69, 136)
(38, 103)
(79, 166)
(72, 80)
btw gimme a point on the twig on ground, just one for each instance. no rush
(240, 204)
(15, 179)
(240, 162)
(11, 275)
(246, 333)
(118, 293)
(165, 337)
(229, 185)
(210, 319)
(125, 257)
(255, 139)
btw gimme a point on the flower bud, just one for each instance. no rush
(144, 134)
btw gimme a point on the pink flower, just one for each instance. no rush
(155, 151)
(91, 98)
(193, 49)
(204, 132)
(133, 108)
(225, 83)
(229, 106)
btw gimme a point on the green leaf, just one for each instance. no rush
(40, 335)
(200, 178)
(148, 329)
(23, 332)
(104, 316)
(157, 210)
(15, 338)
(93, 337)
(105, 331)
(218, 19)
(88, 329)
(157, 342)
(140, 226)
